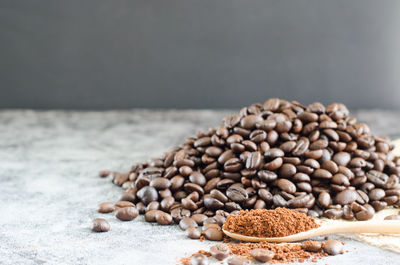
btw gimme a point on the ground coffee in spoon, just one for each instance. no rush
(269, 223)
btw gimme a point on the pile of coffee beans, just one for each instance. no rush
(315, 159)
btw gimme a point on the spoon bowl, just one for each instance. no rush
(329, 228)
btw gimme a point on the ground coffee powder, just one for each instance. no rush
(269, 223)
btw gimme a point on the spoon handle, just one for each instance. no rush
(376, 226)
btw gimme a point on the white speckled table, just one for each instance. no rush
(49, 188)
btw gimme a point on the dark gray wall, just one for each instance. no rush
(92, 54)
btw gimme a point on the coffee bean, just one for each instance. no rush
(254, 160)
(213, 234)
(262, 255)
(141, 207)
(286, 185)
(106, 207)
(167, 202)
(346, 197)
(199, 259)
(127, 213)
(324, 199)
(267, 175)
(122, 204)
(187, 222)
(199, 218)
(287, 170)
(220, 251)
(189, 204)
(150, 216)
(100, 225)
(212, 203)
(322, 173)
(392, 217)
(342, 158)
(237, 194)
(218, 195)
(163, 218)
(333, 247)
(153, 206)
(193, 233)
(250, 121)
(333, 213)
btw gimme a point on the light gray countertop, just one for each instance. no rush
(49, 187)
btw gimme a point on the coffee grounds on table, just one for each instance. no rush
(284, 253)
(269, 223)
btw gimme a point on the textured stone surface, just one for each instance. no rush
(49, 188)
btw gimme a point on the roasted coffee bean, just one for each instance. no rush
(392, 217)
(333, 247)
(197, 178)
(122, 204)
(150, 216)
(189, 204)
(127, 213)
(199, 218)
(237, 194)
(179, 213)
(147, 194)
(141, 207)
(250, 121)
(346, 197)
(365, 214)
(187, 222)
(100, 225)
(199, 259)
(106, 207)
(220, 251)
(262, 255)
(322, 173)
(213, 234)
(254, 160)
(212, 203)
(153, 206)
(218, 195)
(333, 213)
(193, 233)
(163, 218)
(287, 170)
(267, 175)
(286, 185)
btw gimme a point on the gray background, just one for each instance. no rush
(99, 54)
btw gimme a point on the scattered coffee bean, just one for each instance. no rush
(123, 204)
(127, 213)
(262, 255)
(392, 217)
(333, 247)
(100, 225)
(106, 207)
(220, 251)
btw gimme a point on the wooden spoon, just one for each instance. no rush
(328, 228)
